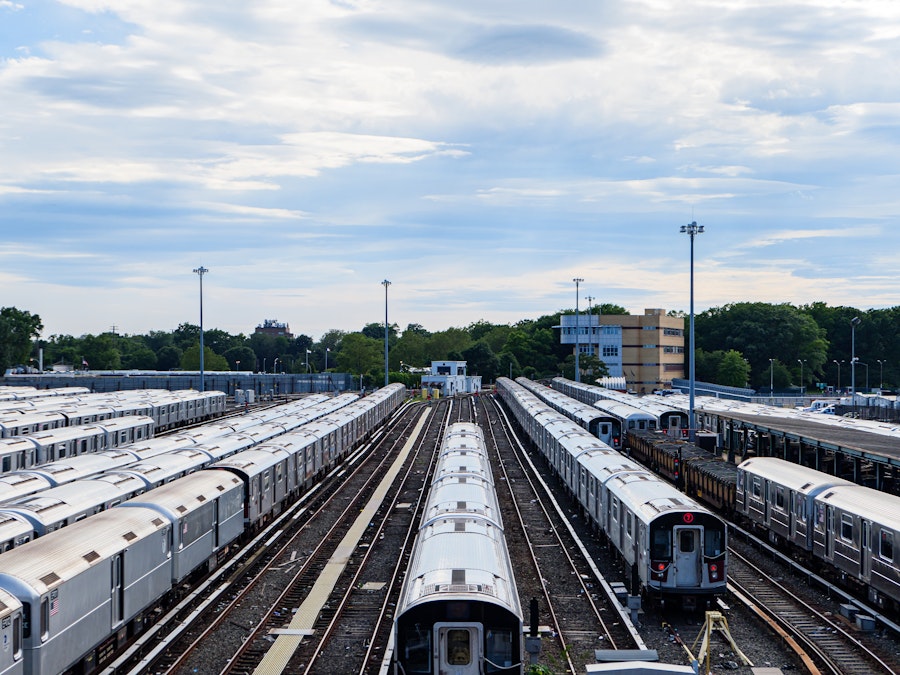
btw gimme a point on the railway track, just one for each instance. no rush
(554, 566)
(822, 642)
(209, 626)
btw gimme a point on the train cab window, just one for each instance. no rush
(713, 541)
(661, 544)
(459, 652)
(846, 527)
(887, 545)
(498, 650)
(417, 650)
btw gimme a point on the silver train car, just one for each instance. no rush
(606, 427)
(459, 609)
(83, 591)
(846, 531)
(675, 547)
(671, 420)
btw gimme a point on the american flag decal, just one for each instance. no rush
(54, 603)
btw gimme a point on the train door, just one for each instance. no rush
(459, 648)
(829, 532)
(687, 556)
(117, 592)
(865, 550)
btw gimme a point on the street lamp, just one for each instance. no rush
(237, 365)
(200, 271)
(854, 322)
(326, 357)
(385, 283)
(275, 366)
(881, 376)
(772, 380)
(591, 326)
(801, 362)
(264, 364)
(839, 372)
(307, 360)
(692, 230)
(577, 281)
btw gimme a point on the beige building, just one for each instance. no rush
(646, 349)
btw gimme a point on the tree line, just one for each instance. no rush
(741, 344)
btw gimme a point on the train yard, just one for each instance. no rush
(327, 575)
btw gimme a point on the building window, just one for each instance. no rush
(673, 331)
(649, 327)
(673, 350)
(649, 346)
(612, 330)
(610, 350)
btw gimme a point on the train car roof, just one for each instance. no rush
(47, 562)
(188, 493)
(874, 505)
(790, 475)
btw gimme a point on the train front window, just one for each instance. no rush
(499, 650)
(713, 544)
(686, 541)
(661, 544)
(459, 652)
(417, 650)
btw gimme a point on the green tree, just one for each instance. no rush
(481, 360)
(190, 360)
(240, 358)
(733, 370)
(169, 357)
(360, 355)
(17, 330)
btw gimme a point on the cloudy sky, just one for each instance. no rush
(479, 155)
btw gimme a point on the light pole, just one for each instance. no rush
(591, 327)
(264, 364)
(854, 322)
(881, 376)
(772, 380)
(385, 283)
(237, 365)
(275, 366)
(326, 357)
(839, 373)
(692, 230)
(801, 362)
(200, 271)
(577, 281)
(306, 360)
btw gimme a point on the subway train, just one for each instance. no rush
(458, 611)
(676, 547)
(60, 493)
(29, 450)
(671, 420)
(844, 531)
(169, 409)
(71, 598)
(605, 426)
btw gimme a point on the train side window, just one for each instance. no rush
(45, 619)
(887, 545)
(713, 541)
(779, 497)
(846, 527)
(17, 637)
(6, 463)
(628, 523)
(756, 486)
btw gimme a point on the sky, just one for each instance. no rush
(478, 155)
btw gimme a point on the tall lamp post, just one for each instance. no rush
(839, 372)
(591, 327)
(801, 362)
(385, 283)
(772, 380)
(306, 361)
(326, 357)
(200, 271)
(692, 230)
(881, 376)
(577, 281)
(854, 322)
